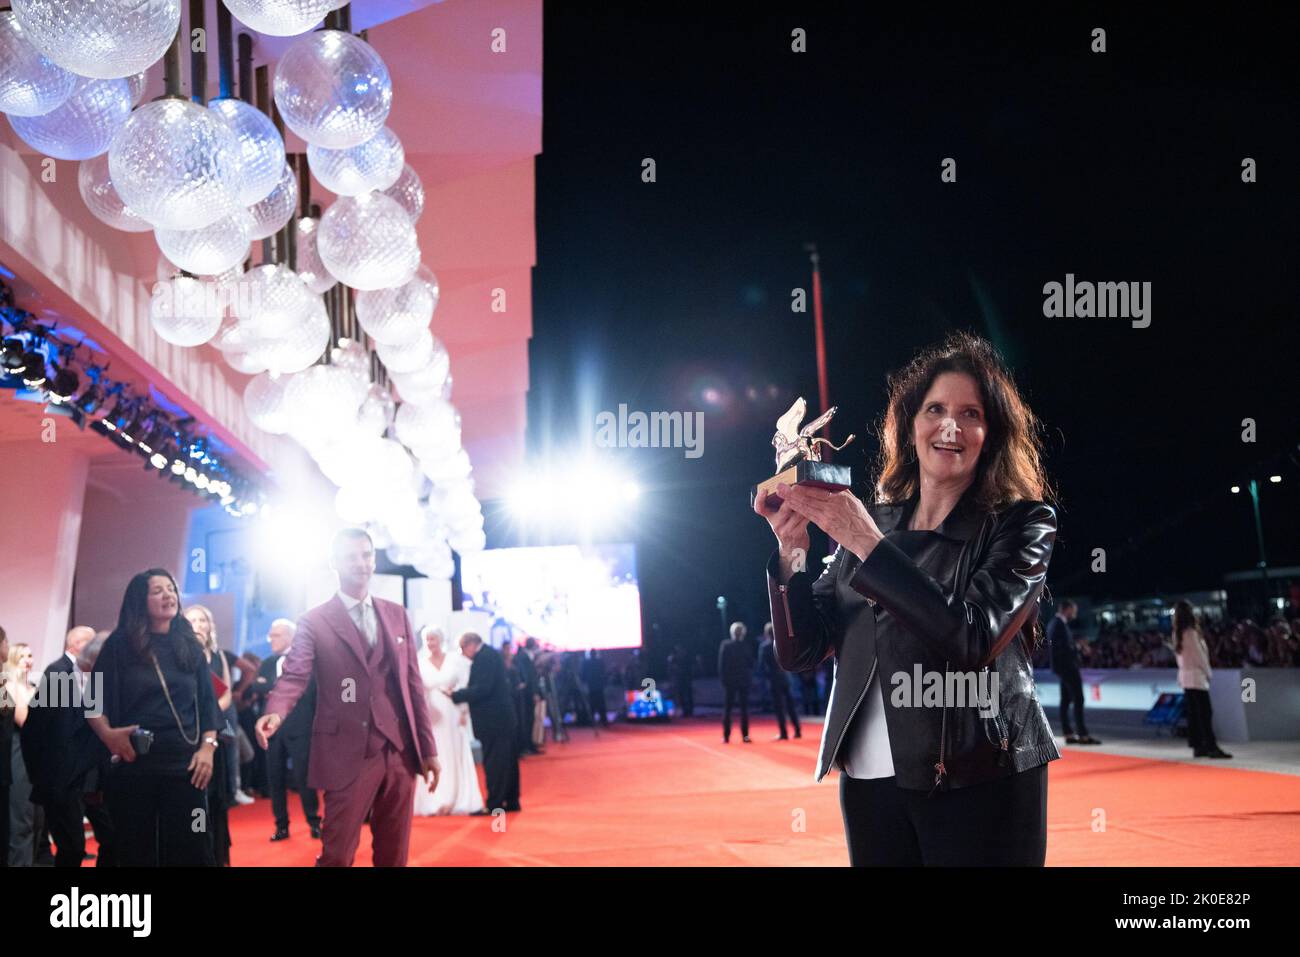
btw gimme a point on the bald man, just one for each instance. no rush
(59, 747)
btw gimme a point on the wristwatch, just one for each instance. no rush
(212, 740)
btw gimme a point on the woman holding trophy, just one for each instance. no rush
(930, 608)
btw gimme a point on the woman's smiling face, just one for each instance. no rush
(163, 602)
(949, 429)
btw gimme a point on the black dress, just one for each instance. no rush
(219, 792)
(160, 818)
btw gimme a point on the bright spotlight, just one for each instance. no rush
(1275, 479)
(1236, 489)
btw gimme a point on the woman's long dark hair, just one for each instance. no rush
(1010, 464)
(1184, 618)
(133, 620)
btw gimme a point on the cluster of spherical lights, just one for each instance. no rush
(207, 181)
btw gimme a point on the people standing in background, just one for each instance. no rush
(22, 813)
(221, 792)
(779, 686)
(595, 678)
(526, 672)
(492, 710)
(1194, 678)
(1065, 662)
(288, 757)
(681, 669)
(6, 746)
(59, 748)
(809, 696)
(442, 670)
(548, 668)
(735, 669)
(154, 678)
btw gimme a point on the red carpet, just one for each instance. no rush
(674, 795)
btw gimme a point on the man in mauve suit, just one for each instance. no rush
(372, 733)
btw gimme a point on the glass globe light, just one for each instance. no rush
(280, 18)
(137, 83)
(271, 214)
(249, 363)
(261, 148)
(427, 383)
(166, 269)
(104, 39)
(398, 315)
(310, 268)
(351, 356)
(321, 399)
(273, 300)
(367, 242)
(474, 541)
(426, 274)
(375, 164)
(408, 192)
(265, 403)
(408, 356)
(437, 563)
(299, 347)
(377, 411)
(333, 89)
(356, 504)
(422, 426)
(211, 249)
(31, 84)
(185, 311)
(83, 125)
(176, 164)
(447, 468)
(102, 200)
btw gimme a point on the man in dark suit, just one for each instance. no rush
(60, 749)
(735, 668)
(292, 746)
(526, 672)
(778, 682)
(594, 677)
(1065, 662)
(492, 712)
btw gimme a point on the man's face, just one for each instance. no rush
(280, 637)
(354, 560)
(470, 648)
(78, 638)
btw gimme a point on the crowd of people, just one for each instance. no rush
(1232, 644)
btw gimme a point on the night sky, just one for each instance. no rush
(1122, 166)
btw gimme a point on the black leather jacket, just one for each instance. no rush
(942, 600)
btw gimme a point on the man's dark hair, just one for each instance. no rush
(531, 644)
(1067, 603)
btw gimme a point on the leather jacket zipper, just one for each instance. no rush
(939, 770)
(843, 731)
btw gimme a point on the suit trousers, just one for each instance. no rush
(782, 702)
(384, 788)
(736, 694)
(1200, 720)
(279, 776)
(500, 767)
(154, 820)
(1000, 823)
(63, 813)
(1072, 696)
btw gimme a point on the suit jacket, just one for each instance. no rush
(298, 723)
(329, 648)
(491, 705)
(527, 673)
(735, 664)
(1065, 656)
(58, 745)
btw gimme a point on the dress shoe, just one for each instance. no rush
(482, 812)
(798, 735)
(281, 834)
(315, 831)
(781, 737)
(242, 798)
(746, 739)
(512, 808)
(1088, 739)
(726, 741)
(1219, 753)
(536, 751)
(1072, 739)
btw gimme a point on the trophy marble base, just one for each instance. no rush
(825, 475)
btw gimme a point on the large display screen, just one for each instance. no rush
(573, 597)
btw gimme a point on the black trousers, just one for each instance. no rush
(524, 719)
(685, 691)
(596, 701)
(1200, 720)
(999, 823)
(63, 814)
(102, 825)
(157, 820)
(1072, 696)
(736, 694)
(500, 767)
(279, 777)
(783, 701)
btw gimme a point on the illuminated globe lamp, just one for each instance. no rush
(299, 347)
(333, 89)
(447, 468)
(437, 563)
(261, 148)
(177, 164)
(322, 398)
(408, 192)
(264, 401)
(83, 125)
(31, 84)
(137, 83)
(310, 268)
(377, 411)
(351, 356)
(428, 426)
(409, 356)
(104, 38)
(186, 311)
(277, 208)
(367, 242)
(211, 249)
(396, 316)
(375, 164)
(280, 18)
(273, 300)
(426, 274)
(469, 542)
(97, 191)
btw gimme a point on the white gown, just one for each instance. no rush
(458, 790)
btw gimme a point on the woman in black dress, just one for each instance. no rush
(153, 677)
(929, 608)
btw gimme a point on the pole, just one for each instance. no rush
(1259, 531)
(199, 58)
(823, 391)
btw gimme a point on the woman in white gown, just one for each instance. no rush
(457, 791)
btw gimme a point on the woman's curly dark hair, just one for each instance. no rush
(1010, 464)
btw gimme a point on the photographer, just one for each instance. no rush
(160, 721)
